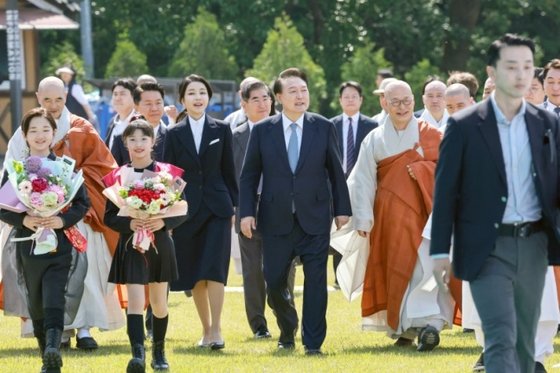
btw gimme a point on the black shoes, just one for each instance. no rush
(286, 345)
(403, 342)
(217, 345)
(138, 362)
(86, 343)
(262, 333)
(313, 352)
(159, 362)
(52, 360)
(539, 368)
(428, 339)
(479, 365)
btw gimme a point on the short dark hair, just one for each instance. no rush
(137, 94)
(35, 113)
(350, 84)
(254, 85)
(127, 83)
(465, 78)
(138, 124)
(292, 72)
(429, 79)
(508, 40)
(552, 64)
(539, 75)
(191, 79)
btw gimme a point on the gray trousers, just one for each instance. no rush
(507, 293)
(254, 287)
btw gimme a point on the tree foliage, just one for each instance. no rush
(203, 50)
(284, 48)
(362, 67)
(63, 55)
(126, 60)
(416, 77)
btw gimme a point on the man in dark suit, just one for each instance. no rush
(497, 190)
(148, 103)
(351, 128)
(297, 154)
(123, 104)
(257, 104)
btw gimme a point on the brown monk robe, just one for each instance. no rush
(401, 209)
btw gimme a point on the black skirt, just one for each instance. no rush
(129, 266)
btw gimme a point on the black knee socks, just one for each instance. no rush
(135, 329)
(159, 328)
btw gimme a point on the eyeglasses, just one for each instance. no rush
(405, 101)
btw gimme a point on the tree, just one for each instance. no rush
(283, 49)
(362, 67)
(126, 60)
(63, 55)
(203, 50)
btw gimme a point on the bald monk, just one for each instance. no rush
(77, 138)
(399, 294)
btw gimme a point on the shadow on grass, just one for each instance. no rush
(411, 351)
(114, 349)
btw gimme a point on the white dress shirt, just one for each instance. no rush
(288, 130)
(120, 125)
(197, 126)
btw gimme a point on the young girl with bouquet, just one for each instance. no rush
(46, 274)
(133, 265)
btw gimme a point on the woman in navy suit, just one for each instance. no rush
(202, 146)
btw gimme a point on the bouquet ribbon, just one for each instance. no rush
(45, 240)
(142, 239)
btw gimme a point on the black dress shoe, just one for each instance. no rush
(262, 333)
(479, 365)
(403, 342)
(217, 345)
(286, 345)
(428, 339)
(313, 352)
(86, 343)
(539, 368)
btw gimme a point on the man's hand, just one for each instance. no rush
(340, 221)
(247, 226)
(362, 233)
(442, 272)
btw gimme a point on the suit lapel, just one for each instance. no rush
(308, 135)
(489, 130)
(243, 137)
(339, 128)
(208, 134)
(536, 135)
(277, 134)
(360, 134)
(186, 137)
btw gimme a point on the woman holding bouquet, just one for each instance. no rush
(136, 268)
(46, 274)
(202, 146)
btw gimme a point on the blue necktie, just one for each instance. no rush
(350, 150)
(557, 110)
(293, 148)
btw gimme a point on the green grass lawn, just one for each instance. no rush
(347, 348)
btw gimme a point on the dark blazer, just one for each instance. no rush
(120, 153)
(471, 186)
(210, 174)
(240, 141)
(77, 210)
(110, 128)
(318, 164)
(365, 126)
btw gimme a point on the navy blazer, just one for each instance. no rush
(471, 186)
(120, 152)
(318, 166)
(365, 126)
(210, 173)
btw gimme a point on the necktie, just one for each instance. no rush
(350, 150)
(557, 110)
(293, 148)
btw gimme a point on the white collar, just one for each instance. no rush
(286, 122)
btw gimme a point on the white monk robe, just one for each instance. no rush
(428, 117)
(99, 306)
(423, 303)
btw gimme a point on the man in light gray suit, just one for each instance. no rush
(257, 102)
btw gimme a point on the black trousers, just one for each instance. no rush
(278, 254)
(45, 278)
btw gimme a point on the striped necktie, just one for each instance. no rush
(350, 148)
